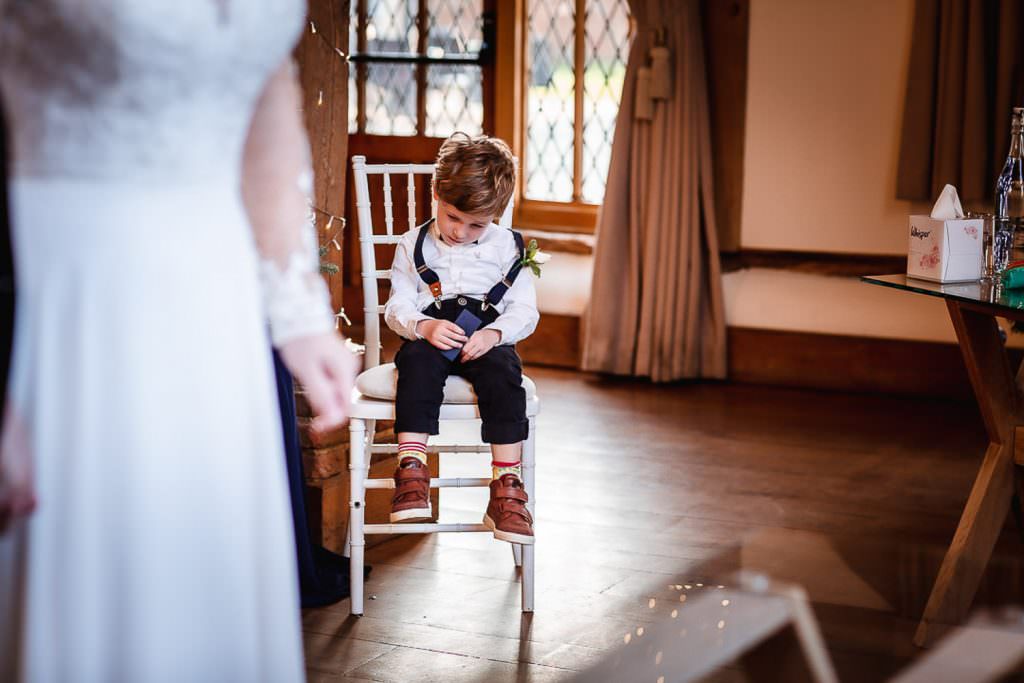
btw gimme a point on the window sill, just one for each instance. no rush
(561, 217)
(559, 242)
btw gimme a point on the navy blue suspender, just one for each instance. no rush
(426, 274)
(497, 292)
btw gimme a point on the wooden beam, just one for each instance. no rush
(726, 37)
(324, 77)
(422, 29)
(579, 70)
(509, 67)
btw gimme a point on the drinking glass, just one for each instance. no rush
(997, 243)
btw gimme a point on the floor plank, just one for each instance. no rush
(644, 489)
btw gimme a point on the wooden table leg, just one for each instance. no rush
(985, 513)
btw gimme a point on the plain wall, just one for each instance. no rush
(825, 89)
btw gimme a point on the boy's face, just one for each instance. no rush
(458, 227)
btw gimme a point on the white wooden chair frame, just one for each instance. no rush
(366, 410)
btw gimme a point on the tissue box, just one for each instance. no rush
(944, 250)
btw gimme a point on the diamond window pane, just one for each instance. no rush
(390, 26)
(550, 105)
(454, 100)
(455, 27)
(606, 46)
(391, 99)
(454, 94)
(353, 25)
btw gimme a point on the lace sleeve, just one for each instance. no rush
(276, 185)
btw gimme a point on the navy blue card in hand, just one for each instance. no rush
(469, 324)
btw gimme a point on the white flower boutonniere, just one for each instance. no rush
(534, 258)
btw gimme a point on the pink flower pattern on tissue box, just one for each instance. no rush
(944, 250)
(931, 259)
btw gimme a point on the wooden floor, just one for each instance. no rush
(642, 486)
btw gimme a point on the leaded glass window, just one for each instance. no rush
(576, 63)
(417, 67)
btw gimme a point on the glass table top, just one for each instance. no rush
(978, 292)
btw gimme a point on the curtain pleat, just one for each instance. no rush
(964, 78)
(656, 306)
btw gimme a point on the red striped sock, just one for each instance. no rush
(412, 449)
(499, 468)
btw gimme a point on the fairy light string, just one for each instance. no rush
(327, 244)
(330, 241)
(327, 43)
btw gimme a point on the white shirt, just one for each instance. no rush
(467, 270)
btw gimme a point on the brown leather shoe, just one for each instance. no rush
(412, 491)
(506, 514)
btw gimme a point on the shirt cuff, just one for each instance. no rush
(411, 327)
(505, 329)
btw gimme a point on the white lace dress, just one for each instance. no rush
(162, 548)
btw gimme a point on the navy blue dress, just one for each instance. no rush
(323, 575)
(6, 274)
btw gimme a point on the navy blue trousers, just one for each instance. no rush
(496, 376)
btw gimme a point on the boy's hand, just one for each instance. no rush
(480, 343)
(443, 334)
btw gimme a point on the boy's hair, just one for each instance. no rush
(475, 175)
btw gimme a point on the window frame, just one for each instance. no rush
(361, 59)
(511, 64)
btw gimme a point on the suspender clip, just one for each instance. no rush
(435, 289)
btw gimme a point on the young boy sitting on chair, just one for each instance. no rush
(460, 301)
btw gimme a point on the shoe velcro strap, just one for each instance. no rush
(522, 512)
(413, 485)
(511, 492)
(412, 474)
(419, 489)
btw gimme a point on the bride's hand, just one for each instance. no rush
(17, 490)
(326, 369)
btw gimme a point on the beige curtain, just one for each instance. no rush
(966, 74)
(656, 298)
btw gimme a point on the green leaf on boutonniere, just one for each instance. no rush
(534, 258)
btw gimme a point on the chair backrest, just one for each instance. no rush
(370, 237)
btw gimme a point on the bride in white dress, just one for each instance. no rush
(158, 200)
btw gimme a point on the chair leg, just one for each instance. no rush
(527, 578)
(517, 553)
(358, 470)
(529, 448)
